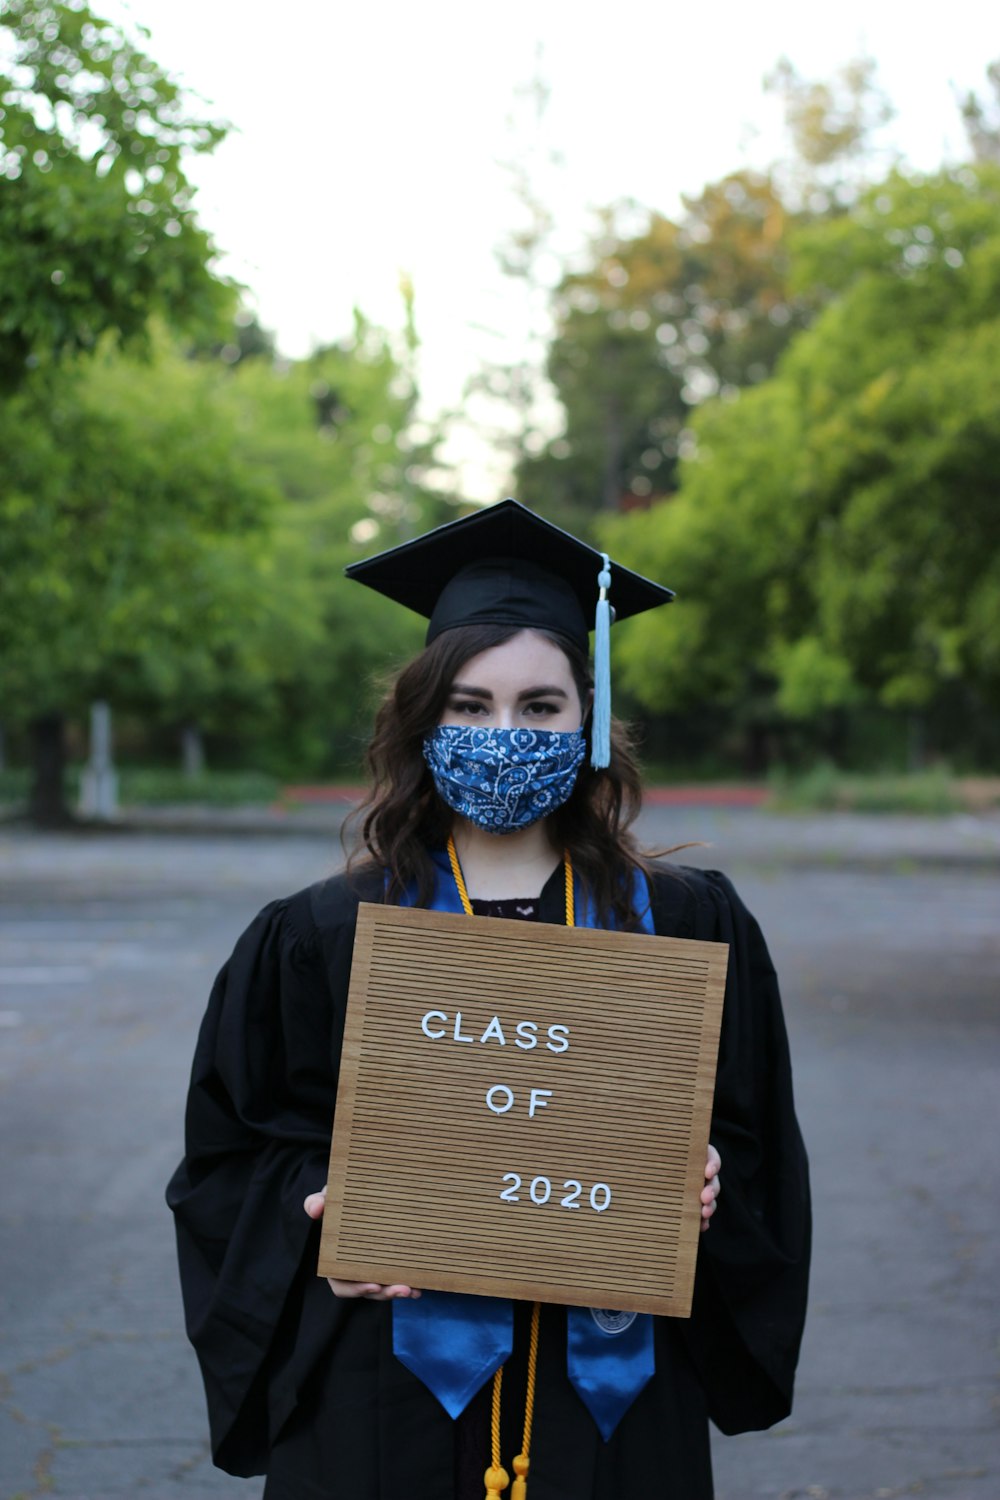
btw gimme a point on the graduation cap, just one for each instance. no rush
(506, 565)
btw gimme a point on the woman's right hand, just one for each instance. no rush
(314, 1205)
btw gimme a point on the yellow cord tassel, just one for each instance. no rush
(523, 1462)
(456, 870)
(568, 883)
(496, 1476)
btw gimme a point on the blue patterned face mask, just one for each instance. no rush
(503, 779)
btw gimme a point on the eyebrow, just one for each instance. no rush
(468, 691)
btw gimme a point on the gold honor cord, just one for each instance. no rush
(496, 1477)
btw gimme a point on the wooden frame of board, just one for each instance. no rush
(523, 1110)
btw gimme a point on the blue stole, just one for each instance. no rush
(453, 1342)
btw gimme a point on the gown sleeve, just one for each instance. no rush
(753, 1264)
(257, 1134)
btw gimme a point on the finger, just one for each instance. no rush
(373, 1291)
(713, 1166)
(315, 1203)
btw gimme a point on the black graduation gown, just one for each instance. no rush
(305, 1388)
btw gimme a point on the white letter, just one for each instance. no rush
(537, 1100)
(500, 1088)
(458, 1029)
(494, 1029)
(424, 1027)
(558, 1034)
(527, 1030)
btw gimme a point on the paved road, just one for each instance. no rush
(890, 968)
(745, 833)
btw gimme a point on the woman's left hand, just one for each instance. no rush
(712, 1188)
(314, 1205)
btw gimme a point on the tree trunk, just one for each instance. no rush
(757, 749)
(916, 741)
(47, 806)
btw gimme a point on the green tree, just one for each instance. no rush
(97, 227)
(659, 322)
(98, 242)
(664, 317)
(181, 551)
(171, 529)
(131, 550)
(836, 536)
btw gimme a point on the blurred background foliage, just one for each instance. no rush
(836, 527)
(783, 402)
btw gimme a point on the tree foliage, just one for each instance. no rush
(180, 550)
(97, 227)
(663, 317)
(174, 516)
(660, 321)
(836, 538)
(132, 548)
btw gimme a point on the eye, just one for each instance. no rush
(470, 706)
(542, 708)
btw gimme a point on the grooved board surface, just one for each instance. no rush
(583, 1189)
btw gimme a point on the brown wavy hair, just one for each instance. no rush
(403, 816)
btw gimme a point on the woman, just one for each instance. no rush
(481, 792)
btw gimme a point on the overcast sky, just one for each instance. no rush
(368, 137)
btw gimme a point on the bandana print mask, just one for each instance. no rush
(503, 779)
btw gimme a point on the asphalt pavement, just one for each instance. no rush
(886, 933)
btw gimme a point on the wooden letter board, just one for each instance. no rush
(602, 1183)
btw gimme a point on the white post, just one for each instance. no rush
(99, 782)
(192, 751)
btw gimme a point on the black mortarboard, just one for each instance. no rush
(505, 565)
